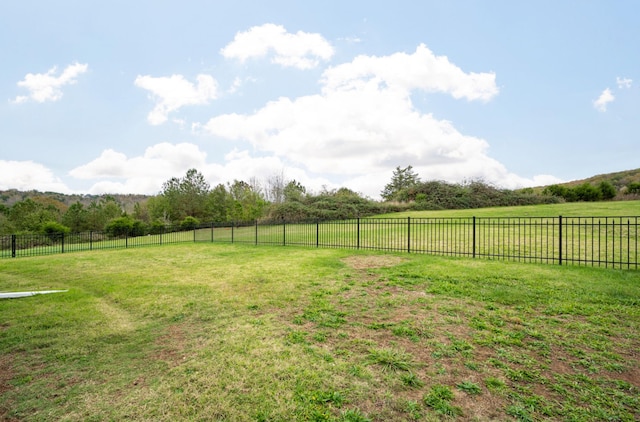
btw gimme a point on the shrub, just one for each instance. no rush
(139, 228)
(607, 190)
(587, 192)
(121, 226)
(157, 227)
(189, 223)
(54, 230)
(633, 188)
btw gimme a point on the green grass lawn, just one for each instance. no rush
(568, 209)
(237, 332)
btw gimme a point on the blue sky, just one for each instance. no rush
(120, 96)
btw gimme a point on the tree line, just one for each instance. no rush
(187, 201)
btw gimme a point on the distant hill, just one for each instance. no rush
(619, 179)
(11, 196)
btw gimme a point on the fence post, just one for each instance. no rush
(474, 236)
(256, 231)
(358, 234)
(560, 240)
(62, 243)
(232, 231)
(126, 239)
(317, 233)
(408, 234)
(13, 246)
(284, 232)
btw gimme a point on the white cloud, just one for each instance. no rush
(44, 87)
(420, 70)
(363, 124)
(623, 82)
(603, 100)
(145, 174)
(157, 161)
(301, 50)
(172, 93)
(27, 175)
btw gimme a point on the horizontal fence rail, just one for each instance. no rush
(610, 242)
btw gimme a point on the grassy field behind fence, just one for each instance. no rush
(594, 234)
(238, 333)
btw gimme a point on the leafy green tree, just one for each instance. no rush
(141, 212)
(101, 212)
(182, 197)
(633, 188)
(294, 191)
(76, 218)
(218, 204)
(401, 181)
(29, 215)
(246, 203)
(607, 190)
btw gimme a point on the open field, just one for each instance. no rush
(237, 332)
(568, 209)
(595, 234)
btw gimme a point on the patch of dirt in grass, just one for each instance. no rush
(172, 346)
(372, 261)
(6, 373)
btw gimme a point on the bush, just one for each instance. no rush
(157, 227)
(607, 190)
(189, 223)
(633, 188)
(121, 226)
(588, 193)
(139, 228)
(54, 230)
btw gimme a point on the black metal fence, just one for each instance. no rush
(594, 241)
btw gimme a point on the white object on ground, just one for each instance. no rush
(13, 295)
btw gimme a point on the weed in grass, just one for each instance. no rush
(411, 380)
(494, 384)
(406, 331)
(424, 329)
(354, 415)
(320, 337)
(439, 399)
(469, 387)
(520, 413)
(379, 325)
(391, 359)
(297, 337)
(412, 407)
(521, 375)
(359, 372)
(323, 313)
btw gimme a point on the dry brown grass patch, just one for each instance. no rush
(374, 261)
(172, 345)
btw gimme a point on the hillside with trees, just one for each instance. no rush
(190, 200)
(622, 185)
